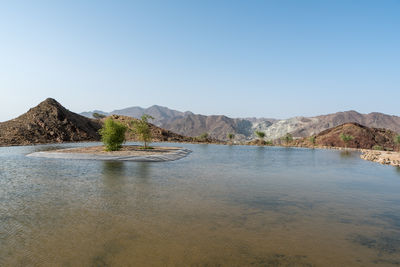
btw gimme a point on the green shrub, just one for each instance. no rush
(346, 138)
(313, 139)
(287, 138)
(142, 129)
(260, 134)
(203, 136)
(269, 143)
(397, 141)
(98, 115)
(112, 134)
(376, 147)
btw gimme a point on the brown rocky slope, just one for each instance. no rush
(363, 137)
(48, 122)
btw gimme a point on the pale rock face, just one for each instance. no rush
(280, 128)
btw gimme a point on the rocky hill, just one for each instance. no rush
(323, 122)
(363, 137)
(48, 122)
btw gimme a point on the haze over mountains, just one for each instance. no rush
(218, 126)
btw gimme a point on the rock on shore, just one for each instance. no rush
(383, 157)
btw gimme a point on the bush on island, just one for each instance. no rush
(113, 134)
(142, 129)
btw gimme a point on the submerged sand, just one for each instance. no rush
(126, 153)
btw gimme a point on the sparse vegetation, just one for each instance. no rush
(142, 129)
(287, 138)
(312, 140)
(203, 137)
(346, 138)
(269, 142)
(98, 115)
(112, 134)
(230, 136)
(376, 147)
(397, 141)
(260, 135)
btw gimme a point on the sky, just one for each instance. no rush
(275, 59)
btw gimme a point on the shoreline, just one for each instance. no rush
(383, 157)
(127, 153)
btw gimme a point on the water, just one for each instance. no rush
(220, 206)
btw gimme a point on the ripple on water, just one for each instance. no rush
(221, 206)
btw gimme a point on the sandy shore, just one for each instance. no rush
(383, 157)
(127, 153)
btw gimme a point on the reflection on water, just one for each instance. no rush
(346, 154)
(46, 148)
(222, 206)
(113, 169)
(144, 170)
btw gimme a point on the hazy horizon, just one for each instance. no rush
(239, 59)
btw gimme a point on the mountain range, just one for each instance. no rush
(50, 122)
(218, 126)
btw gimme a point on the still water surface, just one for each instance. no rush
(220, 206)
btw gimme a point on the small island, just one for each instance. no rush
(126, 153)
(113, 136)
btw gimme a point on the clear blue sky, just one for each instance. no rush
(238, 58)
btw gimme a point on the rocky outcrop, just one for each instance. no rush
(363, 137)
(382, 157)
(49, 122)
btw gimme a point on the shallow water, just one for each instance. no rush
(220, 206)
